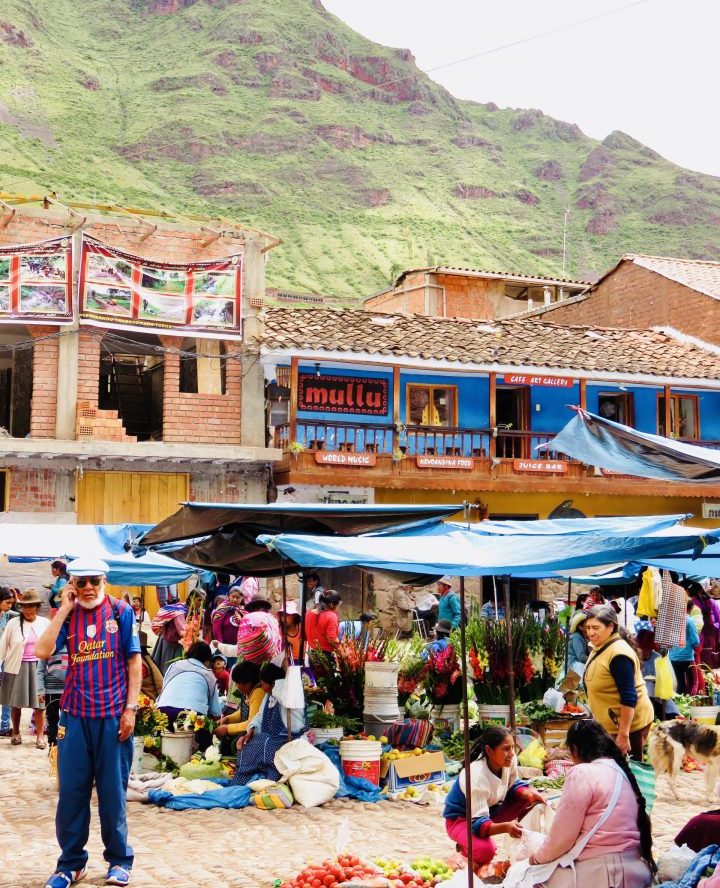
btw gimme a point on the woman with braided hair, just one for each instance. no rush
(601, 828)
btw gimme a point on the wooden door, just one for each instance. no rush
(133, 497)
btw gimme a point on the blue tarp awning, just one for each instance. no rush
(111, 542)
(618, 448)
(459, 550)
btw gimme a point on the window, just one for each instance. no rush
(431, 405)
(684, 421)
(616, 406)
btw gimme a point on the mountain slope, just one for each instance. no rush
(271, 113)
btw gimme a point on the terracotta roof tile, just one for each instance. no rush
(697, 274)
(513, 342)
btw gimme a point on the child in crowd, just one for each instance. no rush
(219, 668)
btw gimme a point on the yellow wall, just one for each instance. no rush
(541, 504)
(130, 497)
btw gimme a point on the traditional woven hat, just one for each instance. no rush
(30, 596)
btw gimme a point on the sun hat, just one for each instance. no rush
(577, 619)
(30, 596)
(291, 609)
(88, 567)
(446, 581)
(443, 627)
(258, 604)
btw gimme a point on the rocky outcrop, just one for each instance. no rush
(345, 137)
(10, 35)
(91, 83)
(550, 171)
(527, 197)
(473, 192)
(599, 162)
(525, 120)
(374, 197)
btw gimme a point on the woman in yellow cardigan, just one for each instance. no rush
(246, 676)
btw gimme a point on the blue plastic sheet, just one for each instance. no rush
(461, 551)
(223, 797)
(609, 445)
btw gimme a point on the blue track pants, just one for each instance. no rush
(89, 751)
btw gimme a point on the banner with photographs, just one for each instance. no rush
(129, 293)
(35, 282)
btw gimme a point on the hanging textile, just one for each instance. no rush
(646, 600)
(670, 628)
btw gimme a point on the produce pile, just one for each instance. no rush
(350, 870)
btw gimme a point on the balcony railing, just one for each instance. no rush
(506, 444)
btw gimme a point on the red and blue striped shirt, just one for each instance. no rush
(99, 643)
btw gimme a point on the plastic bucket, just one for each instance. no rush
(178, 746)
(494, 715)
(322, 735)
(382, 676)
(138, 747)
(383, 704)
(706, 715)
(446, 717)
(378, 727)
(361, 758)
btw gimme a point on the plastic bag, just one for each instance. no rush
(290, 691)
(673, 863)
(663, 679)
(460, 880)
(533, 756)
(313, 778)
(526, 845)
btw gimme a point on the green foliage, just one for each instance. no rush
(271, 113)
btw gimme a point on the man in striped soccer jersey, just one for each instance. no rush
(97, 719)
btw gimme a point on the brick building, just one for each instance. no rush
(649, 291)
(469, 293)
(120, 425)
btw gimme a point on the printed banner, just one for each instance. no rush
(129, 293)
(367, 396)
(35, 282)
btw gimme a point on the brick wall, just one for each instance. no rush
(89, 365)
(44, 390)
(464, 297)
(32, 490)
(201, 418)
(632, 296)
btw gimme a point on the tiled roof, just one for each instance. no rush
(697, 274)
(507, 275)
(511, 342)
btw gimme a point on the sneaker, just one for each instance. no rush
(65, 878)
(5, 732)
(117, 875)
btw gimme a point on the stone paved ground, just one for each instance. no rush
(238, 849)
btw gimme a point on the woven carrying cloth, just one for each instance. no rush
(670, 628)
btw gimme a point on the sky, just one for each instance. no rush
(650, 70)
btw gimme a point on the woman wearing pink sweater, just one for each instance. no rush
(601, 827)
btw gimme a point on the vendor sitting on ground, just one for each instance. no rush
(190, 686)
(268, 731)
(246, 676)
(498, 800)
(700, 831)
(601, 827)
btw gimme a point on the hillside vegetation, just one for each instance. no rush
(276, 114)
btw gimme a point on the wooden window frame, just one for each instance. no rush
(676, 397)
(630, 403)
(431, 387)
(526, 403)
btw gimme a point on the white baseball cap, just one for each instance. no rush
(88, 567)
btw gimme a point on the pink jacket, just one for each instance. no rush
(585, 796)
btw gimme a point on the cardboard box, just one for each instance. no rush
(416, 770)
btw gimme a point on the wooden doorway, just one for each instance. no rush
(512, 417)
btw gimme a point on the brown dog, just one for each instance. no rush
(671, 741)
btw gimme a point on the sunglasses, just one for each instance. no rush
(81, 582)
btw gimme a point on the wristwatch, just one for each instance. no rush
(133, 706)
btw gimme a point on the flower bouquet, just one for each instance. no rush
(443, 678)
(189, 720)
(149, 720)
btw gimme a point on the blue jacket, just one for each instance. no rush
(692, 640)
(449, 609)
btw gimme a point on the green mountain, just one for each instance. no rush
(279, 115)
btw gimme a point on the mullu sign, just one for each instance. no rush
(343, 394)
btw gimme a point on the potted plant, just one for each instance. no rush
(178, 744)
(296, 448)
